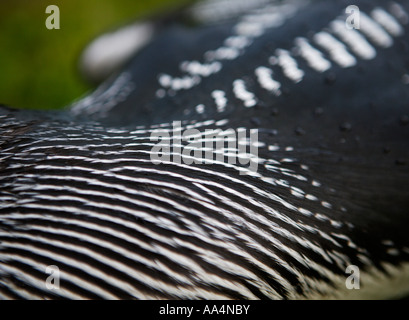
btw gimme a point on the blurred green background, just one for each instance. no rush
(39, 67)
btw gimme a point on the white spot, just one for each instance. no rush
(265, 78)
(358, 44)
(273, 148)
(197, 68)
(316, 184)
(393, 252)
(326, 205)
(165, 80)
(387, 21)
(287, 160)
(223, 53)
(238, 42)
(220, 99)
(321, 217)
(388, 243)
(375, 32)
(240, 91)
(311, 197)
(305, 212)
(249, 29)
(177, 84)
(298, 190)
(289, 66)
(258, 144)
(297, 194)
(283, 183)
(336, 49)
(222, 122)
(338, 224)
(314, 57)
(200, 109)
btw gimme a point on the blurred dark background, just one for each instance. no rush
(39, 67)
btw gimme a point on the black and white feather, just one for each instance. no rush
(78, 189)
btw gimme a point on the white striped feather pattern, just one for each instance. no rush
(51, 203)
(105, 213)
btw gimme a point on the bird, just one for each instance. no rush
(245, 150)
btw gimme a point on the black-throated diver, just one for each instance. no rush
(79, 190)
